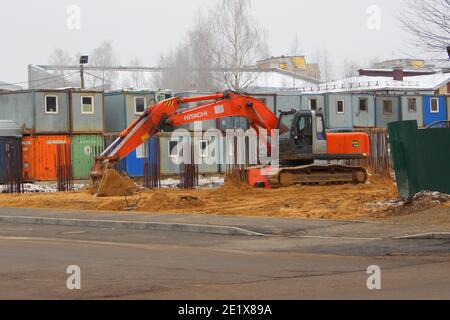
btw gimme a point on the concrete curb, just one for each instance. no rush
(427, 236)
(131, 225)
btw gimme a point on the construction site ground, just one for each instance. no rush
(376, 200)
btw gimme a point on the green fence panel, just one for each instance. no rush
(84, 149)
(421, 158)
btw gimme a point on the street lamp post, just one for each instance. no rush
(83, 60)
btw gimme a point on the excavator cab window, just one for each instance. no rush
(304, 130)
(285, 125)
(320, 128)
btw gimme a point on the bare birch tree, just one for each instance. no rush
(104, 56)
(61, 58)
(428, 22)
(322, 58)
(240, 42)
(350, 68)
(136, 78)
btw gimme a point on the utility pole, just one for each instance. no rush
(82, 76)
(83, 60)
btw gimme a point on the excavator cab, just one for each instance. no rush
(306, 136)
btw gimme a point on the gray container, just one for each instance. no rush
(9, 128)
(363, 119)
(408, 114)
(120, 108)
(387, 115)
(83, 121)
(18, 106)
(338, 111)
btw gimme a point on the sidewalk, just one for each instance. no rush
(244, 226)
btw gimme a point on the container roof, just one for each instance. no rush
(369, 84)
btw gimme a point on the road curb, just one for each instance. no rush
(427, 236)
(131, 225)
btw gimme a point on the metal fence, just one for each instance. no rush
(64, 174)
(13, 179)
(152, 169)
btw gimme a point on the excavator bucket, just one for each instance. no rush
(111, 183)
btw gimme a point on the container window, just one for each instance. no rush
(412, 105)
(139, 105)
(174, 153)
(340, 106)
(87, 105)
(363, 105)
(51, 104)
(140, 152)
(204, 148)
(434, 105)
(387, 106)
(161, 97)
(313, 104)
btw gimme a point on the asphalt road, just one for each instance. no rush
(125, 264)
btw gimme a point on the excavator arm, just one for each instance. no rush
(226, 104)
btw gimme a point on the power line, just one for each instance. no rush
(37, 80)
(106, 80)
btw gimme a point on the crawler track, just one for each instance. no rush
(317, 174)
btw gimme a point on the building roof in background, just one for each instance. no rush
(7, 86)
(280, 79)
(369, 84)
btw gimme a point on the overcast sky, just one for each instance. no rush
(144, 29)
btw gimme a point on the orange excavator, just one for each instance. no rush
(302, 140)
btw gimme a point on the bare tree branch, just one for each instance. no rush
(428, 22)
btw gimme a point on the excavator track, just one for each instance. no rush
(317, 175)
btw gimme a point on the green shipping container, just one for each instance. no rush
(84, 149)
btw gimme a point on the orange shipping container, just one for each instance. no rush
(40, 157)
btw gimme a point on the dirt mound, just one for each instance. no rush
(421, 201)
(115, 184)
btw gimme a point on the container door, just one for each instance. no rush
(84, 150)
(28, 160)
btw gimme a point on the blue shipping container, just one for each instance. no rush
(434, 109)
(134, 162)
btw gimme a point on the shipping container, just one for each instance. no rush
(40, 156)
(133, 164)
(412, 108)
(51, 111)
(387, 110)
(122, 107)
(145, 153)
(206, 153)
(313, 102)
(84, 150)
(18, 106)
(10, 158)
(86, 112)
(434, 109)
(363, 110)
(338, 111)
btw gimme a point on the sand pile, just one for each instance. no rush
(114, 184)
